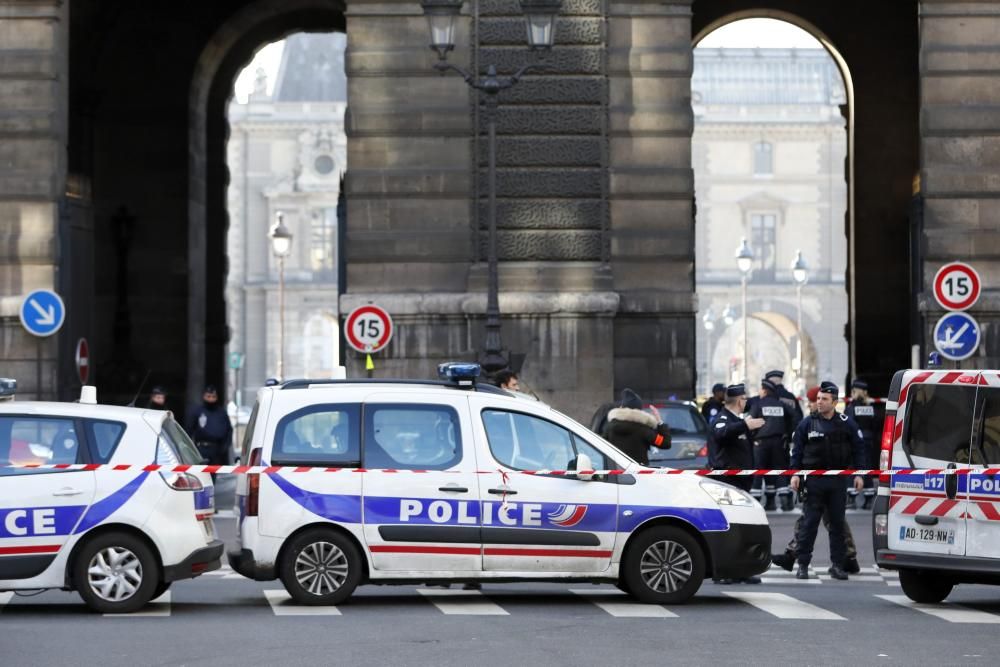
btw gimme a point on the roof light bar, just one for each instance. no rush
(461, 373)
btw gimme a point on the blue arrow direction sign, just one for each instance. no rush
(956, 336)
(42, 313)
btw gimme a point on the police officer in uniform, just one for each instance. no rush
(209, 426)
(770, 444)
(827, 440)
(786, 397)
(862, 410)
(713, 405)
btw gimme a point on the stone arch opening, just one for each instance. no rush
(229, 49)
(790, 103)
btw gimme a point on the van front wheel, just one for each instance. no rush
(924, 586)
(320, 567)
(665, 565)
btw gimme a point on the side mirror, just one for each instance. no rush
(583, 463)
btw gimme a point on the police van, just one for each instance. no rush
(119, 538)
(451, 481)
(940, 530)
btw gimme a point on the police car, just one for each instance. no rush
(940, 530)
(425, 482)
(118, 538)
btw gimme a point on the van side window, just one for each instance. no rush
(37, 440)
(939, 422)
(524, 442)
(989, 443)
(412, 437)
(322, 435)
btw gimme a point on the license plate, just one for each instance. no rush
(919, 534)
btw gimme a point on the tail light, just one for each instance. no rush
(182, 481)
(703, 451)
(253, 484)
(885, 454)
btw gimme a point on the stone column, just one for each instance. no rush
(960, 158)
(33, 100)
(651, 192)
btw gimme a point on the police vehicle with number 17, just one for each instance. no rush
(395, 481)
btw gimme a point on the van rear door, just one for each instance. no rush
(927, 512)
(983, 513)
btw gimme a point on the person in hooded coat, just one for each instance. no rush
(634, 430)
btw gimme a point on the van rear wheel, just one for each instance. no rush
(320, 567)
(924, 586)
(115, 573)
(665, 565)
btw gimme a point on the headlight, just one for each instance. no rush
(723, 494)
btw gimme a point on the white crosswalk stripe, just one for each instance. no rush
(785, 606)
(4, 599)
(283, 605)
(617, 603)
(952, 613)
(158, 608)
(462, 603)
(224, 572)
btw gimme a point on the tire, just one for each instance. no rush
(924, 586)
(665, 565)
(116, 573)
(161, 588)
(320, 567)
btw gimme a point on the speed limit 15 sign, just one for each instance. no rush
(956, 286)
(368, 328)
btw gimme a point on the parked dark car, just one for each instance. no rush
(688, 434)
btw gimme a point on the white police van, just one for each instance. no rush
(119, 538)
(423, 482)
(940, 530)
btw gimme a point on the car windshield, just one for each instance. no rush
(683, 419)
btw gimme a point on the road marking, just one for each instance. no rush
(784, 606)
(812, 580)
(4, 599)
(874, 578)
(283, 605)
(158, 608)
(474, 603)
(617, 603)
(953, 613)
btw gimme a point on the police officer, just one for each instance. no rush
(713, 405)
(787, 397)
(633, 430)
(770, 444)
(827, 440)
(210, 428)
(862, 410)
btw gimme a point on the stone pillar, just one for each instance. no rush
(651, 193)
(33, 100)
(960, 158)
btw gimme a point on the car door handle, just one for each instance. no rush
(453, 488)
(67, 491)
(503, 491)
(926, 520)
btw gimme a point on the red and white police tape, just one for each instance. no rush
(270, 470)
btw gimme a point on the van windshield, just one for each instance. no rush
(989, 437)
(939, 424)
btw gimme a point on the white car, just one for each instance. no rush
(424, 482)
(118, 538)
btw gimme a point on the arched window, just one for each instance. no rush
(763, 159)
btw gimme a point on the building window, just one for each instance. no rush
(762, 240)
(322, 248)
(763, 159)
(323, 164)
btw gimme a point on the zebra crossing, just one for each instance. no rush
(818, 574)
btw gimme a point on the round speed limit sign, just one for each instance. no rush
(368, 328)
(956, 286)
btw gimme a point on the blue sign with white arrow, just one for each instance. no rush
(42, 313)
(956, 336)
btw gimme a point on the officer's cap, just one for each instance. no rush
(718, 386)
(859, 384)
(630, 399)
(828, 387)
(210, 389)
(157, 390)
(734, 390)
(775, 374)
(767, 384)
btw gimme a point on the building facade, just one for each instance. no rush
(769, 152)
(287, 155)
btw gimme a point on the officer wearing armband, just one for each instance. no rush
(826, 440)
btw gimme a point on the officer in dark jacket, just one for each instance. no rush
(633, 430)
(788, 398)
(827, 440)
(862, 410)
(770, 444)
(210, 428)
(729, 445)
(713, 405)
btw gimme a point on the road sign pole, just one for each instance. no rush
(38, 369)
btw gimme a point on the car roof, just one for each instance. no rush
(83, 410)
(422, 387)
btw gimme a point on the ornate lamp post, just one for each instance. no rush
(800, 274)
(281, 246)
(540, 20)
(744, 262)
(708, 320)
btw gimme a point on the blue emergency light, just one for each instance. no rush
(461, 373)
(8, 387)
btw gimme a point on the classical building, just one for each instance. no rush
(769, 153)
(287, 154)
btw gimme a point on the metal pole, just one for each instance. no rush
(798, 351)
(493, 360)
(708, 362)
(281, 318)
(38, 368)
(746, 337)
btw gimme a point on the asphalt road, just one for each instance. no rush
(224, 619)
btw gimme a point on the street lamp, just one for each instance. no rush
(540, 20)
(744, 262)
(800, 274)
(728, 316)
(281, 246)
(708, 319)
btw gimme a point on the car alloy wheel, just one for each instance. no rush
(666, 566)
(321, 568)
(114, 574)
